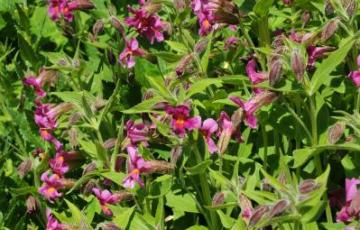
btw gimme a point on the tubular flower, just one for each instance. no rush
(45, 77)
(204, 15)
(254, 76)
(136, 166)
(61, 8)
(350, 209)
(52, 223)
(137, 133)
(355, 75)
(51, 185)
(46, 115)
(58, 164)
(209, 127)
(251, 106)
(105, 197)
(315, 53)
(146, 24)
(131, 50)
(181, 121)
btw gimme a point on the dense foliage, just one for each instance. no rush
(179, 114)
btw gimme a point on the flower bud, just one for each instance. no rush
(117, 24)
(73, 137)
(308, 186)
(279, 208)
(354, 208)
(88, 187)
(162, 167)
(218, 199)
(99, 104)
(89, 168)
(329, 29)
(246, 207)
(24, 168)
(109, 143)
(151, 7)
(180, 5)
(84, 5)
(258, 214)
(185, 65)
(109, 226)
(298, 64)
(201, 45)
(98, 27)
(74, 118)
(175, 154)
(275, 70)
(266, 186)
(335, 132)
(224, 11)
(282, 178)
(350, 6)
(32, 204)
(305, 17)
(237, 117)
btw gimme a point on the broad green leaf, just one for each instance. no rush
(226, 220)
(199, 168)
(197, 227)
(205, 58)
(177, 46)
(144, 106)
(323, 71)
(262, 7)
(200, 85)
(184, 202)
(116, 177)
(122, 219)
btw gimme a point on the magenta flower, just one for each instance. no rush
(61, 8)
(251, 106)
(209, 127)
(149, 25)
(225, 124)
(287, 2)
(346, 214)
(105, 197)
(58, 164)
(47, 136)
(51, 185)
(254, 76)
(45, 77)
(52, 223)
(136, 166)
(204, 15)
(315, 53)
(355, 77)
(137, 133)
(181, 121)
(46, 115)
(131, 50)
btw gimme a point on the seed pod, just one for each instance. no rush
(279, 208)
(218, 199)
(329, 30)
(258, 214)
(308, 186)
(24, 168)
(298, 64)
(275, 71)
(98, 27)
(335, 132)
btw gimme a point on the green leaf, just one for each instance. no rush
(262, 7)
(144, 106)
(323, 71)
(122, 218)
(205, 58)
(26, 51)
(199, 168)
(183, 203)
(177, 46)
(116, 177)
(201, 85)
(226, 220)
(197, 227)
(76, 215)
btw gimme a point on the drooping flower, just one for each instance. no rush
(314, 53)
(136, 166)
(52, 223)
(254, 76)
(209, 127)
(61, 8)
(46, 115)
(181, 120)
(51, 185)
(146, 24)
(347, 212)
(137, 133)
(105, 197)
(131, 50)
(251, 106)
(45, 77)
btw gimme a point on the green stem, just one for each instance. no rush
(206, 191)
(265, 140)
(357, 101)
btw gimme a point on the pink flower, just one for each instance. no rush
(287, 2)
(181, 121)
(355, 75)
(146, 24)
(315, 53)
(231, 43)
(61, 8)
(51, 185)
(209, 127)
(52, 223)
(46, 135)
(45, 77)
(251, 106)
(137, 133)
(131, 50)
(136, 166)
(46, 115)
(346, 214)
(254, 76)
(204, 15)
(58, 164)
(105, 197)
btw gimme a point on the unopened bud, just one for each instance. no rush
(73, 137)
(151, 7)
(74, 118)
(32, 204)
(328, 8)
(279, 208)
(275, 71)
(298, 64)
(88, 187)
(184, 65)
(98, 27)
(335, 132)
(24, 168)
(308, 186)
(224, 141)
(329, 29)
(99, 104)
(237, 117)
(162, 167)
(117, 24)
(282, 178)
(109, 143)
(201, 45)
(350, 6)
(84, 4)
(305, 17)
(266, 186)
(246, 207)
(180, 4)
(218, 199)
(224, 11)
(89, 168)
(258, 214)
(175, 153)
(109, 226)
